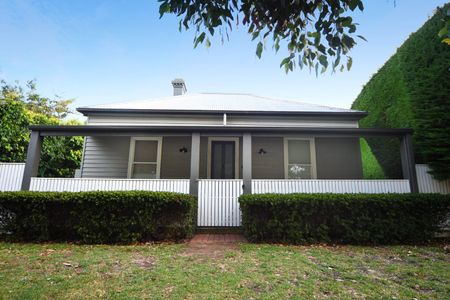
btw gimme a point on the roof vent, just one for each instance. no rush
(179, 87)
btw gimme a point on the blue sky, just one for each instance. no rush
(111, 51)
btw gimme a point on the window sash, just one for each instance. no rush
(132, 163)
(312, 156)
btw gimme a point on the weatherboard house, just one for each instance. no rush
(256, 142)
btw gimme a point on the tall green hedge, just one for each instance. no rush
(343, 218)
(412, 89)
(96, 217)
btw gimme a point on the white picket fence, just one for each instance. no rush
(218, 203)
(429, 185)
(108, 184)
(329, 186)
(11, 176)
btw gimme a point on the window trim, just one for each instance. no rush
(312, 151)
(158, 154)
(236, 154)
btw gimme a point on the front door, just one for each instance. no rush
(222, 159)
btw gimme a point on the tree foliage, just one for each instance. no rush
(412, 90)
(317, 34)
(444, 33)
(20, 108)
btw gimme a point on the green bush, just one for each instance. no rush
(343, 218)
(96, 217)
(412, 90)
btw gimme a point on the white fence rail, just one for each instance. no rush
(11, 176)
(329, 186)
(218, 203)
(108, 184)
(429, 185)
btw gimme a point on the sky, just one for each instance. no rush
(102, 51)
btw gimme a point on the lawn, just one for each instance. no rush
(249, 271)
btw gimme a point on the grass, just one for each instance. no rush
(371, 168)
(50, 271)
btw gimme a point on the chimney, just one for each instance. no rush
(179, 87)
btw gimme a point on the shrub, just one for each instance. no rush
(412, 90)
(96, 217)
(343, 218)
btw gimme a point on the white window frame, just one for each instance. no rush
(312, 151)
(236, 154)
(158, 154)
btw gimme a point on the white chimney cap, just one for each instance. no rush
(179, 86)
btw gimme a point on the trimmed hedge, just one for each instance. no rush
(365, 219)
(412, 90)
(96, 217)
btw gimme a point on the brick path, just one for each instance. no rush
(213, 246)
(206, 238)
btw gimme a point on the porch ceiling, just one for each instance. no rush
(98, 130)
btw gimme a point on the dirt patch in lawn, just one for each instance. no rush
(145, 262)
(212, 246)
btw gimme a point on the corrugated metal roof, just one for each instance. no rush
(218, 102)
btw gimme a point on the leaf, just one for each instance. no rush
(259, 49)
(323, 61)
(447, 41)
(207, 43)
(199, 39)
(285, 61)
(255, 35)
(164, 8)
(349, 63)
(348, 41)
(277, 46)
(300, 62)
(361, 37)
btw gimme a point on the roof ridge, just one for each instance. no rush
(215, 101)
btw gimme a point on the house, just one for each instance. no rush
(275, 155)
(223, 144)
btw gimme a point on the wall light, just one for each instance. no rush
(262, 151)
(183, 150)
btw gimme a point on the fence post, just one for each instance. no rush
(247, 163)
(195, 164)
(33, 157)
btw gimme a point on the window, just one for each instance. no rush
(145, 158)
(299, 158)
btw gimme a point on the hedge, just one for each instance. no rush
(412, 90)
(96, 217)
(365, 219)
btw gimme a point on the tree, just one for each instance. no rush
(412, 90)
(444, 33)
(317, 33)
(19, 109)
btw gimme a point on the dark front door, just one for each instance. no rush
(222, 159)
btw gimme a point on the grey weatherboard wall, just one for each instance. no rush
(271, 164)
(107, 157)
(175, 164)
(336, 158)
